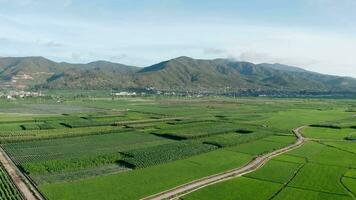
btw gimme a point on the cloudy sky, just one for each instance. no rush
(318, 35)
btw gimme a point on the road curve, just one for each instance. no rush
(27, 191)
(206, 181)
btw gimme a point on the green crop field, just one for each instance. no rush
(130, 148)
(7, 189)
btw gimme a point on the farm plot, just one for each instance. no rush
(261, 184)
(197, 130)
(237, 137)
(344, 146)
(276, 171)
(28, 135)
(297, 194)
(241, 188)
(257, 147)
(128, 185)
(320, 178)
(327, 133)
(145, 157)
(7, 189)
(314, 171)
(322, 154)
(351, 173)
(10, 126)
(350, 184)
(67, 153)
(172, 141)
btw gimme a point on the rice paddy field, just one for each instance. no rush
(131, 148)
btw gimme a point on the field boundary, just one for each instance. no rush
(23, 185)
(255, 164)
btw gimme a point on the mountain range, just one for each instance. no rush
(178, 74)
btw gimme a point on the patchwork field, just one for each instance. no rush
(323, 168)
(131, 148)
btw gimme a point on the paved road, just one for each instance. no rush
(18, 179)
(250, 167)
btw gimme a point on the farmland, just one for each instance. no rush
(7, 188)
(131, 148)
(323, 168)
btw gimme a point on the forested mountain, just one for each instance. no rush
(178, 74)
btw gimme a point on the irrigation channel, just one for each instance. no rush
(255, 164)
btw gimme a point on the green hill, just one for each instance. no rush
(179, 74)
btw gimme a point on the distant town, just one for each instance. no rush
(19, 94)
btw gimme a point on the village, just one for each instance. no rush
(12, 95)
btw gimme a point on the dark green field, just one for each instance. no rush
(130, 148)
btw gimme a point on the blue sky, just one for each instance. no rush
(318, 35)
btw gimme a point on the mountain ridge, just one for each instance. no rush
(177, 74)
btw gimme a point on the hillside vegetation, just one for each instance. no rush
(179, 74)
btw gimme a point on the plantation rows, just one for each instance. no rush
(7, 190)
(232, 139)
(73, 121)
(145, 157)
(50, 166)
(197, 130)
(77, 152)
(26, 135)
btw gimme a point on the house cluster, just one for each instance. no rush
(19, 94)
(124, 94)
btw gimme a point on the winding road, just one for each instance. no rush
(255, 164)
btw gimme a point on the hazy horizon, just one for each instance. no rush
(317, 35)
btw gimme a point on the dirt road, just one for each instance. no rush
(250, 167)
(18, 179)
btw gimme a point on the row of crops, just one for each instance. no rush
(197, 130)
(73, 121)
(7, 189)
(18, 136)
(55, 165)
(231, 139)
(146, 157)
(88, 144)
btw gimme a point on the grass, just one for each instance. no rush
(322, 154)
(290, 158)
(297, 194)
(328, 133)
(235, 138)
(320, 178)
(297, 117)
(350, 184)
(275, 171)
(257, 147)
(128, 185)
(351, 173)
(242, 188)
(345, 146)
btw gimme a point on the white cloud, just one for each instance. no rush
(75, 38)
